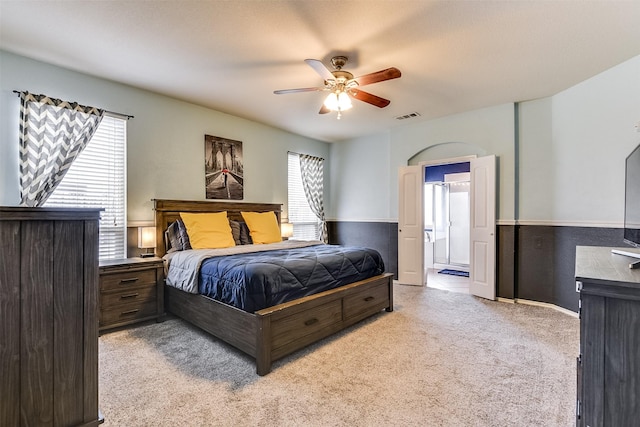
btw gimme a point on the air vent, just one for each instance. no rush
(408, 116)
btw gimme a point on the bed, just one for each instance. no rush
(270, 333)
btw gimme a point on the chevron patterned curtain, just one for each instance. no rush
(312, 171)
(52, 134)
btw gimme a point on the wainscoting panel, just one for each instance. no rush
(547, 257)
(381, 236)
(505, 261)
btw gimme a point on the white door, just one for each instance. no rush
(483, 227)
(410, 229)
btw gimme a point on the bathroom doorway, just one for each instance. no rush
(447, 216)
(412, 234)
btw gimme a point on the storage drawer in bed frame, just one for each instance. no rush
(365, 303)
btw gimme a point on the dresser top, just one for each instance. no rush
(598, 263)
(15, 213)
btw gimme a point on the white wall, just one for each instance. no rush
(572, 150)
(489, 130)
(165, 153)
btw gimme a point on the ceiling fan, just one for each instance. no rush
(343, 86)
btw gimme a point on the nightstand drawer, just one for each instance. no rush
(134, 295)
(127, 279)
(127, 312)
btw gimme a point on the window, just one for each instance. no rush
(97, 179)
(306, 225)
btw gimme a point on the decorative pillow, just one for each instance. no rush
(245, 237)
(208, 230)
(235, 231)
(177, 237)
(170, 233)
(263, 227)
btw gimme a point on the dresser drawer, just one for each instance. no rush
(127, 312)
(366, 302)
(134, 295)
(127, 279)
(298, 326)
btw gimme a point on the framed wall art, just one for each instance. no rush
(223, 168)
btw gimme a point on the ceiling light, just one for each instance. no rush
(338, 101)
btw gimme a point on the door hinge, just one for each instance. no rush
(578, 409)
(578, 286)
(580, 309)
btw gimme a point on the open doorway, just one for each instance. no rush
(447, 217)
(482, 208)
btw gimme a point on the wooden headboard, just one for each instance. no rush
(167, 211)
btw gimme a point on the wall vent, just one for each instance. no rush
(408, 116)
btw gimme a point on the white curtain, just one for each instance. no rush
(52, 134)
(312, 171)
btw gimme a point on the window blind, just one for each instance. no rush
(97, 179)
(305, 222)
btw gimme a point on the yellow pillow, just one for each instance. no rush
(263, 227)
(208, 230)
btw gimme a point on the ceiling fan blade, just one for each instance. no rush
(303, 89)
(361, 95)
(380, 76)
(320, 68)
(324, 110)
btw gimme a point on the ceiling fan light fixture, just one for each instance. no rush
(344, 102)
(342, 85)
(338, 101)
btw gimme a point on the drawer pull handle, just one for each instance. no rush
(369, 299)
(311, 321)
(129, 296)
(133, 279)
(124, 313)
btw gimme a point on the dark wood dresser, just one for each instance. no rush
(609, 360)
(49, 316)
(131, 291)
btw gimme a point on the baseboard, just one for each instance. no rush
(547, 305)
(528, 302)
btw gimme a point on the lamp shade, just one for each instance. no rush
(146, 237)
(344, 102)
(331, 102)
(338, 101)
(286, 229)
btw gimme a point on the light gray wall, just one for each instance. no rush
(165, 152)
(360, 179)
(488, 130)
(570, 162)
(572, 150)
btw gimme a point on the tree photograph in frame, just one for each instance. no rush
(223, 170)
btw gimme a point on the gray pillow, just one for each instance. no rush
(235, 231)
(245, 237)
(177, 236)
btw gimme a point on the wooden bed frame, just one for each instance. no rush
(273, 332)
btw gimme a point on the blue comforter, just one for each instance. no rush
(258, 280)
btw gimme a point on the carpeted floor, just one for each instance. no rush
(440, 359)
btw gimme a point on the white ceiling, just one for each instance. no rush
(454, 56)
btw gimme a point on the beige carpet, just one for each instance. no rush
(440, 359)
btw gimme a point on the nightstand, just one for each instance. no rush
(131, 291)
